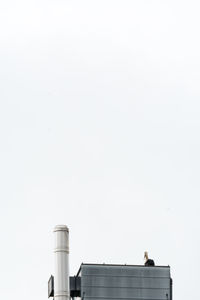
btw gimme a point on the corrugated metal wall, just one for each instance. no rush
(108, 282)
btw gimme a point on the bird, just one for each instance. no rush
(148, 261)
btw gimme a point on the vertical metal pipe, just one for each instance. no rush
(61, 276)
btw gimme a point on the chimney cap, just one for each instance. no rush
(61, 228)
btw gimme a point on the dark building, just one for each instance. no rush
(121, 282)
(104, 281)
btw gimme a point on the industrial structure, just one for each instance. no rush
(106, 282)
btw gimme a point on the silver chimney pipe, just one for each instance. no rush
(61, 276)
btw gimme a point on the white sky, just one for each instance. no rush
(99, 130)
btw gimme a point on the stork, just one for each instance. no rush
(148, 261)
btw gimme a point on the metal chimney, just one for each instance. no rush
(61, 276)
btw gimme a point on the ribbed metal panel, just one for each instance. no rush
(125, 282)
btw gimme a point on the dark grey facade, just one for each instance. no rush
(124, 282)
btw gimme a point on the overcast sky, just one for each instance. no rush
(99, 130)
